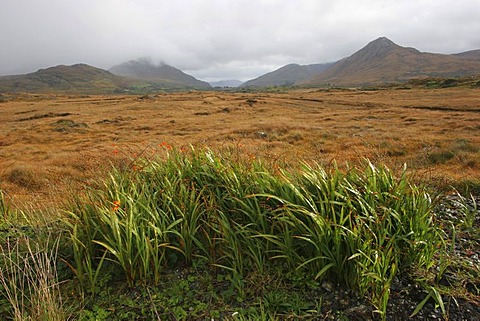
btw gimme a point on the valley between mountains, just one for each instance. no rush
(346, 190)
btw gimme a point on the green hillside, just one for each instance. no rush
(85, 79)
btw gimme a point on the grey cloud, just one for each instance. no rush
(224, 39)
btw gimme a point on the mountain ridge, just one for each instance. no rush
(286, 75)
(143, 68)
(382, 61)
(471, 54)
(77, 78)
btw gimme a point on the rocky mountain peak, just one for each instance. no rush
(376, 48)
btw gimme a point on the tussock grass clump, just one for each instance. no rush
(25, 177)
(29, 277)
(358, 227)
(29, 280)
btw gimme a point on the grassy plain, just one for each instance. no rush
(51, 145)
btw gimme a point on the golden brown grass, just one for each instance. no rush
(53, 145)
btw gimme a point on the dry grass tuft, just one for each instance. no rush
(28, 277)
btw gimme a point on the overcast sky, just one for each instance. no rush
(229, 39)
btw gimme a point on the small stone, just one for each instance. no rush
(327, 286)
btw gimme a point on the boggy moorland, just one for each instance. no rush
(49, 142)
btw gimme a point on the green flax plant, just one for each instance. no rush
(359, 227)
(123, 224)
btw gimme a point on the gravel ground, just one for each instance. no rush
(406, 295)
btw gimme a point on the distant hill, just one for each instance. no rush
(226, 83)
(162, 74)
(382, 61)
(85, 79)
(471, 55)
(286, 75)
(79, 78)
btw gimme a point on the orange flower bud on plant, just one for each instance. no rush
(116, 205)
(165, 145)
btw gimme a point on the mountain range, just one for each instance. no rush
(380, 62)
(136, 76)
